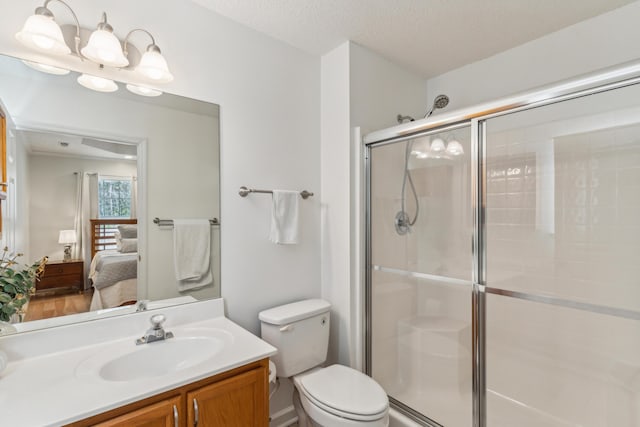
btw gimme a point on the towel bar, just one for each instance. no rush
(244, 192)
(169, 222)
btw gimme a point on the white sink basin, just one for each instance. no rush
(125, 361)
(161, 358)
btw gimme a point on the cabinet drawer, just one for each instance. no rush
(62, 269)
(59, 281)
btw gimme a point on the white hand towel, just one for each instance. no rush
(284, 217)
(192, 253)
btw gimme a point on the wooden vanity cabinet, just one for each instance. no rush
(237, 398)
(164, 414)
(228, 402)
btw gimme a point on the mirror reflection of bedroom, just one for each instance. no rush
(89, 230)
(86, 175)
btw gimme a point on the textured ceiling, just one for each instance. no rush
(427, 36)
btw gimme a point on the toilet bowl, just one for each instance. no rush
(334, 396)
(339, 396)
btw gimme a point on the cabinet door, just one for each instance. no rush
(161, 414)
(239, 401)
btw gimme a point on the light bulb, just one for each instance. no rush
(50, 69)
(104, 48)
(143, 91)
(41, 32)
(437, 145)
(153, 66)
(97, 83)
(454, 148)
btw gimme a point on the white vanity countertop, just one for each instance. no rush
(41, 388)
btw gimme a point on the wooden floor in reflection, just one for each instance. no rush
(57, 304)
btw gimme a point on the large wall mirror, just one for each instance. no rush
(87, 173)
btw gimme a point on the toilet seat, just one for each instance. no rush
(344, 392)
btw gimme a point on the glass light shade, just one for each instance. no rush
(50, 69)
(143, 91)
(104, 48)
(154, 67)
(97, 83)
(67, 237)
(437, 145)
(455, 148)
(42, 33)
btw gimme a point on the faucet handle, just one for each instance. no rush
(157, 320)
(142, 305)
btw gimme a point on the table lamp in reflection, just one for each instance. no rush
(67, 238)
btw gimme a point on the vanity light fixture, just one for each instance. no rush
(97, 83)
(41, 32)
(437, 149)
(104, 47)
(152, 64)
(143, 91)
(50, 69)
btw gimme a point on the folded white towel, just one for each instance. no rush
(192, 253)
(284, 217)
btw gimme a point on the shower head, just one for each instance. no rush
(440, 102)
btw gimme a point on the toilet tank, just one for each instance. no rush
(300, 332)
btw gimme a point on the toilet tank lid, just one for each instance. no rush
(295, 311)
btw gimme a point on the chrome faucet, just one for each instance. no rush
(156, 332)
(142, 305)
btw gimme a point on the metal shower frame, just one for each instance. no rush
(617, 77)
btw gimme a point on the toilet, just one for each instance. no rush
(333, 396)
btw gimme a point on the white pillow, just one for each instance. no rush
(127, 245)
(128, 231)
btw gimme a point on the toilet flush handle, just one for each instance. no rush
(286, 328)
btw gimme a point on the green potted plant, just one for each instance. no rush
(17, 284)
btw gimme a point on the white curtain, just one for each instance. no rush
(134, 197)
(86, 209)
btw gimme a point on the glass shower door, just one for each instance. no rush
(563, 252)
(421, 268)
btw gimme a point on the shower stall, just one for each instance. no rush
(503, 259)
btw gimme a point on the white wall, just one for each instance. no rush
(361, 91)
(335, 194)
(380, 90)
(596, 43)
(52, 201)
(269, 97)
